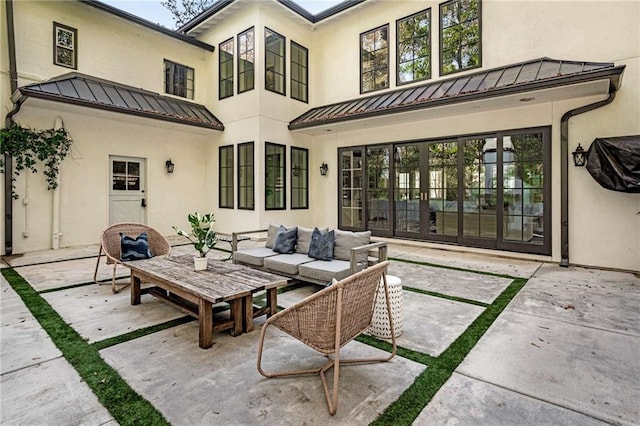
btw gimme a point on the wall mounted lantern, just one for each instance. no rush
(324, 169)
(169, 164)
(579, 156)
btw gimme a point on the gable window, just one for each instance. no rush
(414, 47)
(246, 60)
(245, 176)
(65, 41)
(225, 73)
(274, 58)
(274, 178)
(178, 79)
(460, 44)
(299, 72)
(299, 178)
(374, 59)
(225, 178)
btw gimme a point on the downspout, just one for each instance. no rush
(564, 171)
(55, 214)
(8, 161)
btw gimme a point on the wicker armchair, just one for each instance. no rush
(328, 320)
(110, 244)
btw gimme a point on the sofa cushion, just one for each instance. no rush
(346, 240)
(253, 256)
(286, 263)
(322, 270)
(286, 240)
(322, 243)
(271, 235)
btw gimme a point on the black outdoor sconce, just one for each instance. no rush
(579, 156)
(169, 165)
(324, 169)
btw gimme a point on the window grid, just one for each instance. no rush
(460, 40)
(275, 59)
(274, 176)
(413, 35)
(246, 60)
(299, 178)
(225, 178)
(374, 59)
(65, 41)
(226, 51)
(246, 199)
(178, 79)
(299, 72)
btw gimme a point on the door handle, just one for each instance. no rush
(144, 202)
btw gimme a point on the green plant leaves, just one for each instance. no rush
(202, 230)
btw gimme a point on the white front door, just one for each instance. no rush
(127, 200)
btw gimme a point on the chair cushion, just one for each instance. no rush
(322, 270)
(134, 248)
(322, 243)
(346, 240)
(253, 256)
(286, 263)
(286, 238)
(271, 235)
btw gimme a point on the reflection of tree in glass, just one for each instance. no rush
(460, 35)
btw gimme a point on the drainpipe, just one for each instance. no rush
(55, 213)
(8, 161)
(564, 172)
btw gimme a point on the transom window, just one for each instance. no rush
(65, 51)
(246, 181)
(274, 176)
(225, 177)
(414, 47)
(226, 69)
(299, 72)
(178, 79)
(274, 58)
(460, 41)
(246, 61)
(299, 178)
(374, 59)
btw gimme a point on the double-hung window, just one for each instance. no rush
(225, 70)
(374, 59)
(65, 42)
(274, 176)
(274, 58)
(225, 178)
(299, 178)
(413, 35)
(299, 72)
(246, 60)
(460, 41)
(246, 181)
(178, 79)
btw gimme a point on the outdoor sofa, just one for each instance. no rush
(351, 252)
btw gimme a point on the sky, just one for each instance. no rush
(152, 10)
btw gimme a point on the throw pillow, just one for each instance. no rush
(322, 243)
(134, 248)
(285, 242)
(271, 235)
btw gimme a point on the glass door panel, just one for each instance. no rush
(351, 206)
(443, 188)
(379, 217)
(407, 190)
(480, 188)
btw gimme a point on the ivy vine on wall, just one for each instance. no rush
(28, 147)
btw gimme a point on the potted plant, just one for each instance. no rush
(204, 237)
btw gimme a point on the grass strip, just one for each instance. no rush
(102, 344)
(445, 296)
(125, 405)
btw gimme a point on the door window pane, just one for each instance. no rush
(378, 205)
(351, 184)
(443, 188)
(407, 188)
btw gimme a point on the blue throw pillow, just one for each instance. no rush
(134, 248)
(285, 242)
(322, 243)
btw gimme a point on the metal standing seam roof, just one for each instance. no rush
(516, 78)
(92, 92)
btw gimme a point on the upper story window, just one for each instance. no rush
(65, 46)
(460, 41)
(246, 181)
(274, 58)
(225, 178)
(225, 70)
(246, 60)
(374, 59)
(414, 47)
(178, 79)
(299, 72)
(274, 177)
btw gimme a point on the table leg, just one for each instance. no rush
(205, 318)
(272, 301)
(236, 316)
(135, 289)
(247, 309)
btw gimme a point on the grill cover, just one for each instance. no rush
(615, 163)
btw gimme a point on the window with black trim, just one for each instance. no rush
(274, 176)
(374, 59)
(275, 59)
(460, 41)
(413, 35)
(178, 79)
(65, 42)
(299, 178)
(299, 72)
(246, 60)
(225, 178)
(225, 70)
(246, 181)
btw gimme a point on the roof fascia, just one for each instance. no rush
(204, 15)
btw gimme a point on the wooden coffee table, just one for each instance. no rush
(174, 281)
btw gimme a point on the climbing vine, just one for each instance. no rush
(28, 147)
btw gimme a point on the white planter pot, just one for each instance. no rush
(200, 263)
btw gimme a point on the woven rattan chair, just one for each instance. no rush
(328, 320)
(110, 244)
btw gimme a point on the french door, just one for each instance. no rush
(127, 199)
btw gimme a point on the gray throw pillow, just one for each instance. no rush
(322, 243)
(271, 235)
(286, 240)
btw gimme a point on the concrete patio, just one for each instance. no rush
(564, 351)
